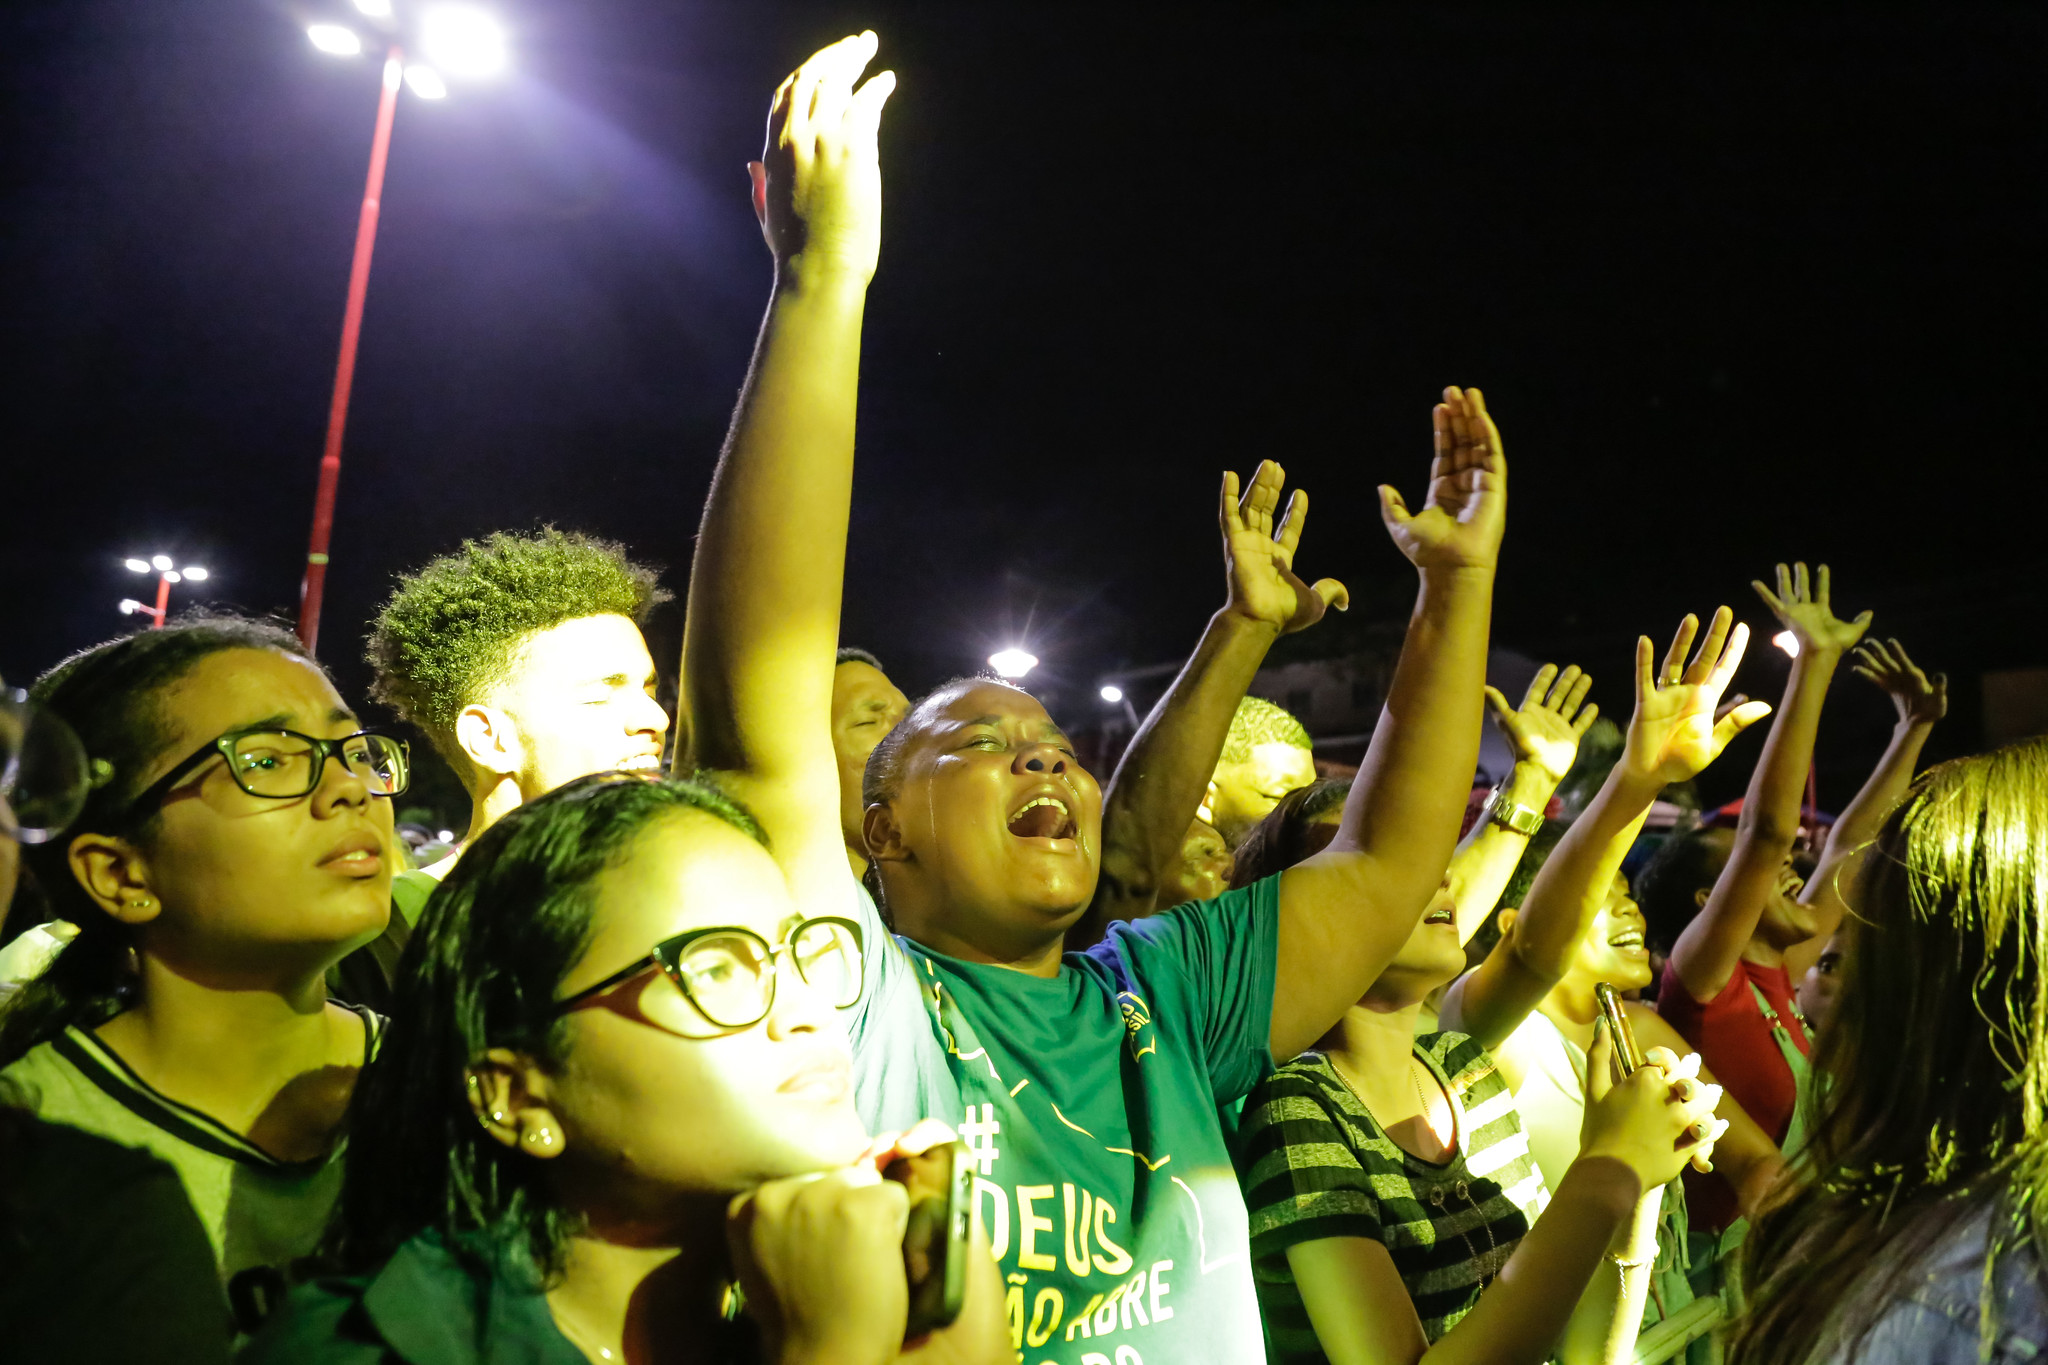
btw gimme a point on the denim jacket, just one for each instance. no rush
(1936, 1320)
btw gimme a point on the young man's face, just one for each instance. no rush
(581, 695)
(1242, 794)
(999, 825)
(865, 707)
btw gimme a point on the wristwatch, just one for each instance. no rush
(1526, 821)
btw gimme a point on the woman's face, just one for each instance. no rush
(1614, 951)
(253, 888)
(652, 1092)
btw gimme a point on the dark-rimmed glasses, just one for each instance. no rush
(284, 764)
(729, 974)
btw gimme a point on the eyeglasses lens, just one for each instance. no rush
(728, 977)
(380, 761)
(43, 771)
(829, 960)
(276, 763)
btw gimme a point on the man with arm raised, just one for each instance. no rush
(1090, 1081)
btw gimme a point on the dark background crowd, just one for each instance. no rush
(1130, 245)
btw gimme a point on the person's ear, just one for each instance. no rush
(1506, 919)
(115, 874)
(489, 740)
(883, 836)
(1699, 897)
(508, 1093)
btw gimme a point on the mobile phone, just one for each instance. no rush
(940, 1182)
(1627, 1055)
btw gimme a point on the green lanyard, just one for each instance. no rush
(1802, 1073)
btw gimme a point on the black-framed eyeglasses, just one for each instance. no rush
(729, 974)
(284, 764)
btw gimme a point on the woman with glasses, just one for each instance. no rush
(617, 1084)
(236, 844)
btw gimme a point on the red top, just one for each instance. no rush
(1734, 1039)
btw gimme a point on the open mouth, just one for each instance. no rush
(640, 763)
(1629, 938)
(1442, 914)
(1043, 817)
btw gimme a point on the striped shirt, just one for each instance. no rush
(1314, 1164)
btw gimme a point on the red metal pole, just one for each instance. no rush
(163, 600)
(310, 591)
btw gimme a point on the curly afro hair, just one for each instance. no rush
(450, 630)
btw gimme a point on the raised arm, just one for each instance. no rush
(1672, 737)
(1920, 702)
(1160, 779)
(1345, 912)
(1544, 734)
(1706, 952)
(763, 618)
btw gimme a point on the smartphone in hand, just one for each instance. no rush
(940, 1182)
(1628, 1055)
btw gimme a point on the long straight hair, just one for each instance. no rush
(1932, 1071)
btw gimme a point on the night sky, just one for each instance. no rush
(1740, 284)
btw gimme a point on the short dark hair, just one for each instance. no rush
(481, 971)
(883, 777)
(850, 655)
(112, 697)
(1668, 887)
(450, 630)
(1280, 840)
(1257, 722)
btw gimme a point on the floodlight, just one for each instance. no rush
(195, 573)
(160, 562)
(376, 9)
(1787, 641)
(1012, 662)
(1112, 693)
(426, 82)
(335, 40)
(129, 606)
(462, 41)
(139, 565)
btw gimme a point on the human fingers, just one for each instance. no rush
(1539, 686)
(1738, 720)
(1393, 510)
(1262, 498)
(1292, 518)
(1502, 712)
(1585, 721)
(1820, 586)
(1702, 1157)
(1802, 582)
(1708, 655)
(864, 114)
(1573, 702)
(1227, 516)
(1561, 690)
(1333, 593)
(838, 67)
(1681, 644)
(1731, 658)
(1729, 705)
(1646, 685)
(1486, 434)
(1774, 601)
(1785, 592)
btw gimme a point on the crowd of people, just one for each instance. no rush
(1248, 1062)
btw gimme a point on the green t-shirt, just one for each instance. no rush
(409, 892)
(260, 1214)
(1104, 1180)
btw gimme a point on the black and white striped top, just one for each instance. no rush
(1314, 1164)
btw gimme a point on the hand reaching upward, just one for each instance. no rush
(1544, 731)
(1675, 732)
(1920, 700)
(1459, 526)
(818, 185)
(1258, 555)
(1808, 615)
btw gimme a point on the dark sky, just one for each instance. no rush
(1740, 284)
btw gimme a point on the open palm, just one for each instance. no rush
(1545, 730)
(1676, 732)
(1465, 509)
(1258, 554)
(1807, 613)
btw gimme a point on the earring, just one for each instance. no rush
(540, 1137)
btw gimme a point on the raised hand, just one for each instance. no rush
(1920, 700)
(1460, 524)
(1543, 731)
(1258, 555)
(1808, 614)
(1675, 732)
(818, 184)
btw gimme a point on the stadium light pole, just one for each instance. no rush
(160, 565)
(463, 41)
